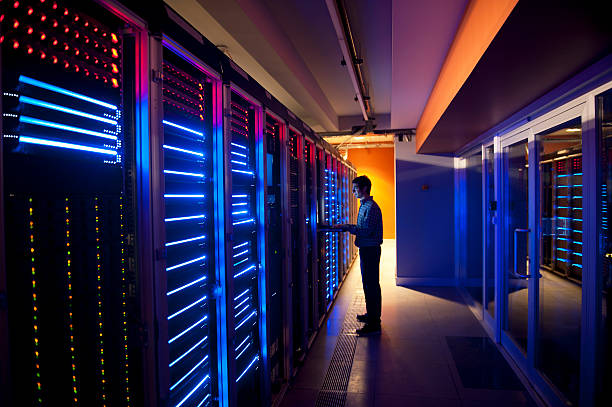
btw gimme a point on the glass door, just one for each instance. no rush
(541, 247)
(516, 237)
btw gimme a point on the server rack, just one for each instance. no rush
(68, 147)
(186, 226)
(296, 242)
(245, 248)
(310, 236)
(562, 206)
(276, 231)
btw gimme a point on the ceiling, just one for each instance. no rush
(290, 47)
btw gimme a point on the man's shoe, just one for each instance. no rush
(362, 317)
(368, 329)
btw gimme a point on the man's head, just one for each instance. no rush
(361, 187)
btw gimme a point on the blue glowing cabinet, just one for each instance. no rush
(185, 227)
(66, 219)
(245, 248)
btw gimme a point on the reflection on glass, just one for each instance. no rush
(490, 231)
(604, 124)
(560, 158)
(473, 273)
(516, 198)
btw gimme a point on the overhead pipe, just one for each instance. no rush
(340, 20)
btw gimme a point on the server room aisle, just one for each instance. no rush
(432, 352)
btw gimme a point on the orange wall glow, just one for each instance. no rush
(379, 165)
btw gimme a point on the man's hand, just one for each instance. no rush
(341, 228)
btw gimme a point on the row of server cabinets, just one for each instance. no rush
(159, 216)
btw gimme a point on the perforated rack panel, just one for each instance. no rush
(245, 255)
(189, 232)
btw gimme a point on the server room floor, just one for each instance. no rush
(432, 352)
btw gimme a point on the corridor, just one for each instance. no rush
(432, 352)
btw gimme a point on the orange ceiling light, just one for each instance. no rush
(480, 23)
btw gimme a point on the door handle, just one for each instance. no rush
(516, 232)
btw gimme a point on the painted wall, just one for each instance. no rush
(378, 165)
(425, 219)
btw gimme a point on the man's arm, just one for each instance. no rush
(367, 227)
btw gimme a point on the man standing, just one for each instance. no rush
(368, 238)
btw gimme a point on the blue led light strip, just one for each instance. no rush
(187, 352)
(243, 350)
(243, 221)
(240, 245)
(244, 271)
(193, 304)
(178, 126)
(245, 320)
(241, 294)
(182, 150)
(239, 154)
(204, 400)
(183, 195)
(240, 305)
(241, 253)
(192, 239)
(243, 172)
(238, 145)
(186, 285)
(189, 174)
(255, 359)
(188, 329)
(61, 144)
(192, 391)
(53, 106)
(184, 218)
(189, 372)
(242, 310)
(185, 263)
(53, 125)
(242, 343)
(240, 212)
(57, 89)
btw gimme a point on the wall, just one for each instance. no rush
(378, 165)
(425, 217)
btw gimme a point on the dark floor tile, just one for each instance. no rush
(480, 365)
(312, 374)
(435, 381)
(299, 398)
(387, 400)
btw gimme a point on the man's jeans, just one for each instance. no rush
(370, 259)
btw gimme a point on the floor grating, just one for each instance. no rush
(335, 384)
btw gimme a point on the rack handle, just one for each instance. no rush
(516, 232)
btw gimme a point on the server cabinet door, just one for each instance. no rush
(187, 369)
(245, 250)
(68, 144)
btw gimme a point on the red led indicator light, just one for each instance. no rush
(66, 65)
(43, 36)
(1, 18)
(43, 55)
(30, 11)
(16, 4)
(114, 38)
(15, 23)
(54, 59)
(115, 68)
(95, 29)
(54, 42)
(30, 30)
(114, 53)
(1, 39)
(43, 17)
(15, 44)
(55, 23)
(115, 83)
(76, 18)
(76, 68)
(30, 50)
(65, 11)
(66, 47)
